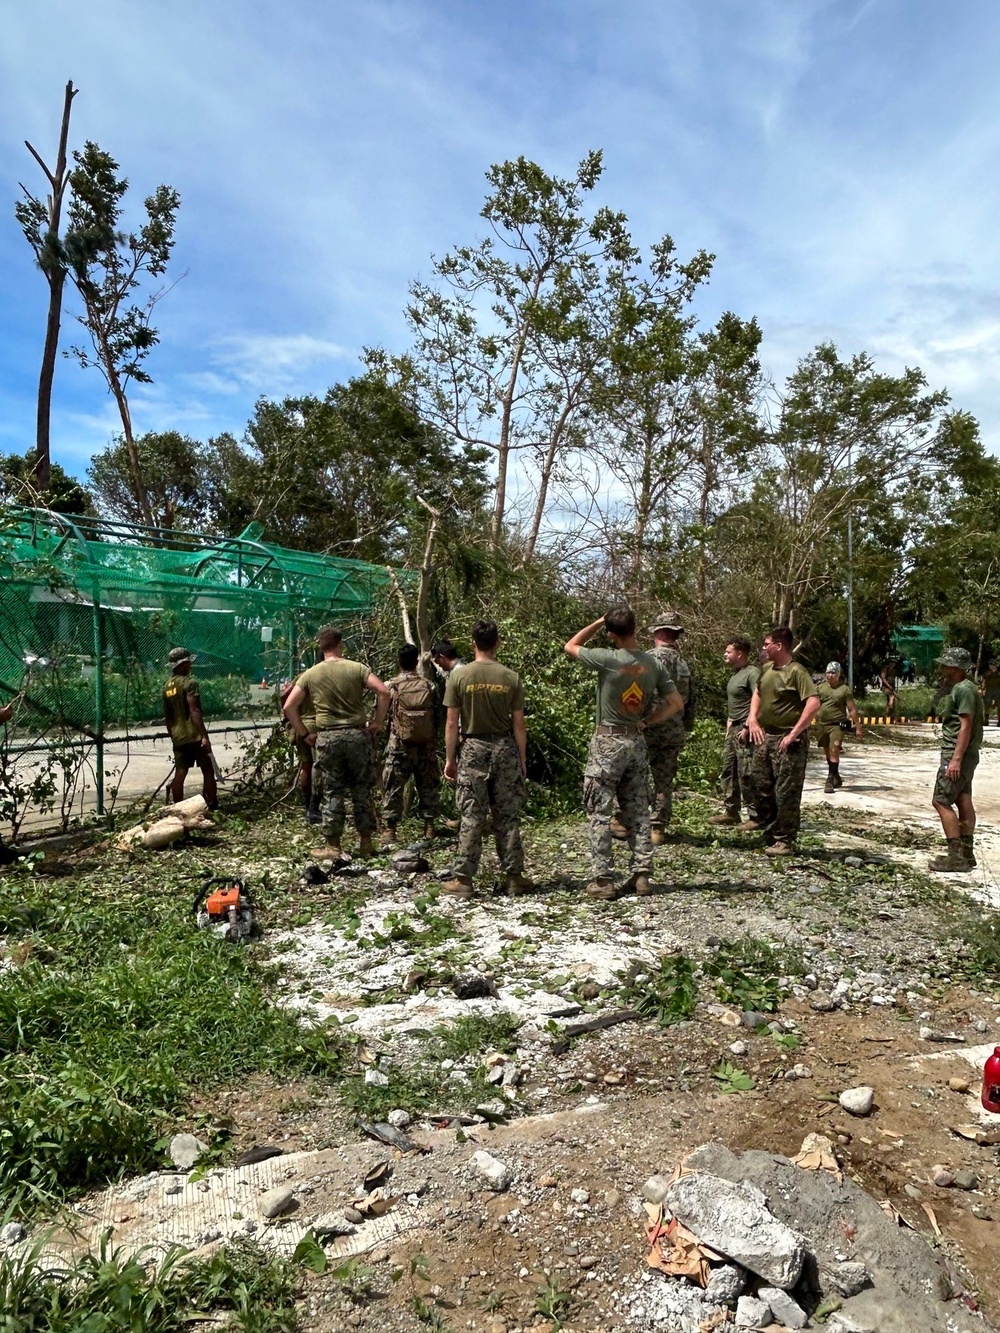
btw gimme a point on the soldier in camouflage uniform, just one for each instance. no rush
(343, 739)
(666, 740)
(412, 747)
(485, 703)
(633, 690)
(784, 703)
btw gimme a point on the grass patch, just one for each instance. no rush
(240, 1286)
(980, 946)
(114, 1010)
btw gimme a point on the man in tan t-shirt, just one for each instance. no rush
(784, 702)
(485, 703)
(343, 739)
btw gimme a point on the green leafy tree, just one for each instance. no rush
(342, 473)
(174, 471)
(40, 221)
(510, 330)
(109, 267)
(63, 494)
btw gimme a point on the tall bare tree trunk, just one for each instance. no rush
(51, 265)
(138, 485)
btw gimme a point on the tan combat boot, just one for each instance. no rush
(656, 835)
(328, 852)
(518, 884)
(725, 819)
(954, 861)
(430, 832)
(780, 849)
(639, 884)
(389, 836)
(602, 888)
(458, 886)
(366, 846)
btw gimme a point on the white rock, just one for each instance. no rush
(376, 1078)
(493, 1173)
(655, 1188)
(185, 1150)
(857, 1101)
(784, 1309)
(580, 1196)
(399, 1119)
(12, 1234)
(725, 1283)
(727, 1219)
(276, 1201)
(752, 1313)
(333, 1224)
(739, 1048)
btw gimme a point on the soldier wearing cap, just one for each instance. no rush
(836, 704)
(961, 713)
(186, 725)
(633, 690)
(666, 740)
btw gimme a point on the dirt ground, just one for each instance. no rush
(564, 1246)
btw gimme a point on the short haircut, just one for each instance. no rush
(741, 643)
(328, 638)
(444, 648)
(781, 634)
(485, 635)
(620, 620)
(409, 656)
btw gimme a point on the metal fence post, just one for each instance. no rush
(99, 698)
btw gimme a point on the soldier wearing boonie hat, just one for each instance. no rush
(837, 712)
(186, 725)
(961, 713)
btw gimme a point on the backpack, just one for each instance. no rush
(413, 710)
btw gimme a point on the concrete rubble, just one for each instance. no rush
(795, 1241)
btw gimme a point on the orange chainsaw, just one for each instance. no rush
(223, 906)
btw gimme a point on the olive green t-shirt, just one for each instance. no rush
(961, 700)
(336, 692)
(833, 702)
(629, 681)
(178, 694)
(783, 692)
(739, 692)
(487, 696)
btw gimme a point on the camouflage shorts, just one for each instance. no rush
(947, 792)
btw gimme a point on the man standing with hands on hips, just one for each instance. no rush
(783, 704)
(961, 713)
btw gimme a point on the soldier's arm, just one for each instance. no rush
(292, 710)
(521, 739)
(451, 744)
(382, 701)
(961, 745)
(753, 725)
(573, 645)
(667, 707)
(852, 710)
(809, 711)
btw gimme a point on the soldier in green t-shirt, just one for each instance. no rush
(342, 741)
(633, 692)
(485, 703)
(784, 703)
(836, 705)
(737, 750)
(961, 713)
(184, 721)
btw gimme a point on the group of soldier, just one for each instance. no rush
(645, 702)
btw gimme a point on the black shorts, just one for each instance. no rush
(189, 755)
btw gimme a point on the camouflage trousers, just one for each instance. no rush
(777, 778)
(664, 745)
(737, 773)
(490, 782)
(618, 766)
(405, 759)
(345, 763)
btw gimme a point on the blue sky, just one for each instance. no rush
(839, 157)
